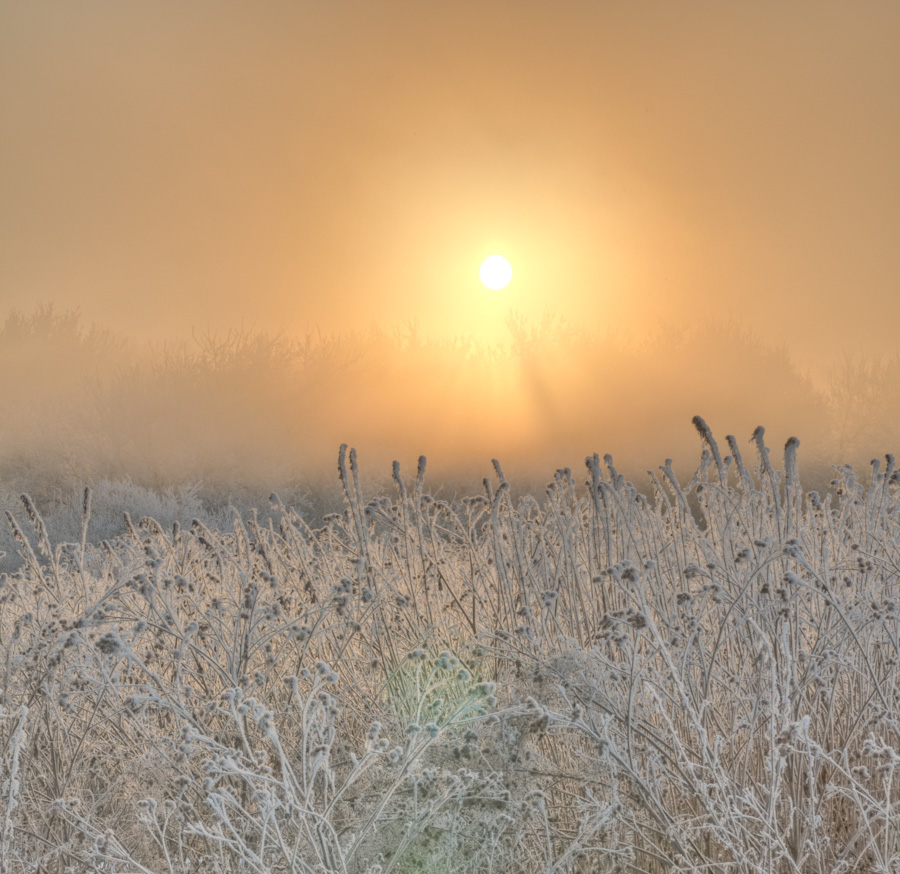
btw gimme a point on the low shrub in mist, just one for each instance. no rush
(699, 679)
(254, 412)
(113, 500)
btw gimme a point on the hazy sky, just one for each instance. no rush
(286, 163)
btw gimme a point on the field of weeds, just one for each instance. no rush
(589, 680)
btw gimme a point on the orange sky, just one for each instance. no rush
(167, 166)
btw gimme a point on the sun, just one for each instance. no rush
(495, 272)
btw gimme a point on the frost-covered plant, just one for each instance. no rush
(702, 679)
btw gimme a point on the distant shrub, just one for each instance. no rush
(249, 412)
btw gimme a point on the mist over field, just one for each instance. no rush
(233, 417)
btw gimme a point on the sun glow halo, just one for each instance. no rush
(495, 272)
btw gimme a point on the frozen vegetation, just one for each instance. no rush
(698, 679)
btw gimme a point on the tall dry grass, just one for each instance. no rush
(593, 679)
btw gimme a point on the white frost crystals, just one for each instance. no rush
(691, 677)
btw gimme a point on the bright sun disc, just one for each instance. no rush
(495, 272)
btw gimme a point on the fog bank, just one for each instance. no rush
(261, 411)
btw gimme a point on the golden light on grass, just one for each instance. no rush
(495, 272)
